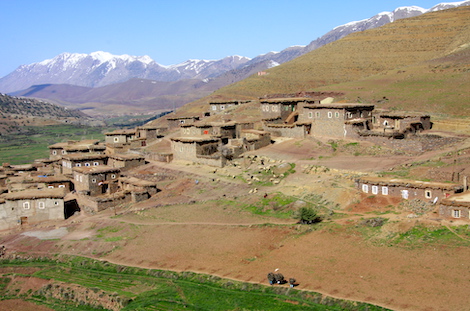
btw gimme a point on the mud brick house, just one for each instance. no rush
(337, 120)
(125, 161)
(119, 141)
(254, 139)
(407, 189)
(198, 149)
(33, 182)
(196, 129)
(56, 151)
(150, 133)
(283, 110)
(217, 107)
(69, 161)
(456, 206)
(31, 206)
(96, 180)
(138, 186)
(176, 122)
(400, 125)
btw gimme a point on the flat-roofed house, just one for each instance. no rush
(408, 189)
(126, 161)
(31, 206)
(96, 180)
(337, 120)
(400, 125)
(176, 122)
(283, 110)
(56, 151)
(35, 182)
(217, 107)
(456, 206)
(197, 149)
(69, 161)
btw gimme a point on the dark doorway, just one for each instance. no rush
(70, 207)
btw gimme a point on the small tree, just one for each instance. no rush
(308, 215)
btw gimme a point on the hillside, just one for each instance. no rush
(419, 63)
(16, 112)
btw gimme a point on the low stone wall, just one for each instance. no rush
(286, 131)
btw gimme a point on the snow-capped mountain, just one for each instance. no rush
(101, 68)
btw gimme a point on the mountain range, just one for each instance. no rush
(177, 84)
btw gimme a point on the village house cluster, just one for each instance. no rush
(91, 176)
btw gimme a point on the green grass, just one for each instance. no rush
(143, 289)
(33, 142)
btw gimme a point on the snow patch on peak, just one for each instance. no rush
(412, 8)
(272, 64)
(101, 56)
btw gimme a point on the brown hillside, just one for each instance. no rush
(409, 43)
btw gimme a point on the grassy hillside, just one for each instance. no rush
(420, 63)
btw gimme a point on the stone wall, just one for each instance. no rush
(286, 131)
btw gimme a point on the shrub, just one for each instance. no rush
(308, 215)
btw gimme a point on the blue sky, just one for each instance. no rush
(172, 31)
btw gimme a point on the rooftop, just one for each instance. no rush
(410, 183)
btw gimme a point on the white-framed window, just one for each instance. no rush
(113, 176)
(273, 108)
(116, 139)
(310, 115)
(456, 213)
(41, 205)
(81, 178)
(427, 194)
(336, 114)
(78, 164)
(181, 121)
(77, 178)
(56, 202)
(64, 163)
(26, 205)
(64, 152)
(61, 186)
(50, 187)
(330, 114)
(317, 114)
(350, 115)
(222, 107)
(384, 190)
(54, 152)
(375, 189)
(95, 164)
(404, 194)
(93, 180)
(365, 188)
(214, 107)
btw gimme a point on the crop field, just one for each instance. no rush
(32, 143)
(74, 283)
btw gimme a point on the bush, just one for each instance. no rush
(308, 215)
